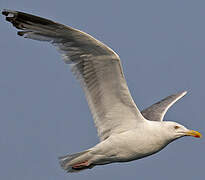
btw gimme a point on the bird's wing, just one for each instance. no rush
(96, 66)
(157, 111)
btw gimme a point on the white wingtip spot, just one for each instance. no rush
(10, 15)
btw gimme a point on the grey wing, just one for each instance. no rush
(157, 111)
(96, 66)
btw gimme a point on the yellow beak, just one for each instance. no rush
(193, 133)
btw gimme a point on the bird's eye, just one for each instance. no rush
(176, 127)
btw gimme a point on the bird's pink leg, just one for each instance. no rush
(80, 165)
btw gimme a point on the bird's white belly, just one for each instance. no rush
(127, 146)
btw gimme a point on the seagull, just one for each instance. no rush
(125, 133)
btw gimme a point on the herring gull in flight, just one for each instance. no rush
(125, 133)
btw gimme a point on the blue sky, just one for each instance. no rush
(43, 110)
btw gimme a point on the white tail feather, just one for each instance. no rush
(67, 162)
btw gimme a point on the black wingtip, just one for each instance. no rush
(5, 13)
(9, 14)
(21, 33)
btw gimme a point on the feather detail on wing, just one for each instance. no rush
(96, 66)
(157, 111)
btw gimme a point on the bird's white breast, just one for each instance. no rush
(133, 144)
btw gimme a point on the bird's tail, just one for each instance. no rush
(76, 162)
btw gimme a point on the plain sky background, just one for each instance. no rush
(44, 113)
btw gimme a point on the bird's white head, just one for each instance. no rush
(175, 130)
